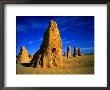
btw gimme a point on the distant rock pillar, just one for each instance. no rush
(68, 52)
(75, 52)
(64, 53)
(79, 52)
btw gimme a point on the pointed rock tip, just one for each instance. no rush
(23, 47)
(69, 46)
(52, 22)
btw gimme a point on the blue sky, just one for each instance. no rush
(74, 31)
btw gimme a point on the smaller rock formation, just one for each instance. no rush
(79, 52)
(64, 53)
(23, 56)
(30, 57)
(75, 54)
(68, 52)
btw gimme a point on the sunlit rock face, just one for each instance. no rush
(50, 52)
(23, 56)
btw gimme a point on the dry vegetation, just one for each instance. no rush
(76, 65)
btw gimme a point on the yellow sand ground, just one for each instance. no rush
(72, 65)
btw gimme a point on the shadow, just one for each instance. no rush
(26, 64)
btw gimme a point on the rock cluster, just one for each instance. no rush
(23, 56)
(77, 52)
(50, 52)
(68, 52)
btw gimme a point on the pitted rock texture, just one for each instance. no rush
(50, 52)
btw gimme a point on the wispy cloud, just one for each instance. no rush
(31, 42)
(29, 25)
(65, 41)
(37, 25)
(85, 42)
(34, 41)
(40, 39)
(64, 28)
(89, 48)
(70, 20)
(21, 28)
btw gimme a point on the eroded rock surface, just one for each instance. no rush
(50, 52)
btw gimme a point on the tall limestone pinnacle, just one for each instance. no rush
(50, 52)
(23, 56)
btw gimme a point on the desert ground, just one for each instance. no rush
(72, 65)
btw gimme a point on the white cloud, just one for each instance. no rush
(67, 41)
(89, 48)
(34, 41)
(31, 42)
(65, 28)
(70, 20)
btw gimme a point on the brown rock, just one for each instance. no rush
(23, 56)
(68, 52)
(79, 52)
(50, 52)
(75, 54)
